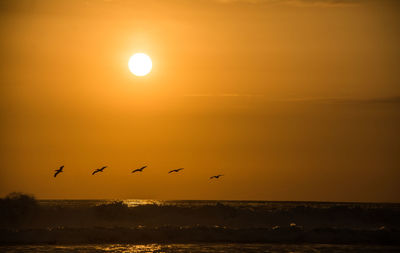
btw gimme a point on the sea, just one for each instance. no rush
(200, 248)
(138, 225)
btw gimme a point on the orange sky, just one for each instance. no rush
(290, 99)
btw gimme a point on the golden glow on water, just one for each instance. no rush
(200, 248)
(130, 248)
(139, 202)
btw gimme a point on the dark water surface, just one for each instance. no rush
(197, 226)
(201, 248)
(271, 205)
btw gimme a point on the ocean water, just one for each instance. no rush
(131, 225)
(271, 205)
(200, 248)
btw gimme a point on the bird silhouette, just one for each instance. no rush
(99, 170)
(139, 170)
(176, 170)
(216, 177)
(58, 171)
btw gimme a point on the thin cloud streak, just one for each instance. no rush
(223, 95)
(325, 100)
(336, 100)
(299, 3)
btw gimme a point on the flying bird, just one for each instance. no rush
(99, 170)
(177, 170)
(139, 170)
(216, 177)
(58, 171)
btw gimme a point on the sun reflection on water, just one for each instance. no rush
(124, 248)
(139, 202)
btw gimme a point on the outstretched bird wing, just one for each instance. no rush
(176, 170)
(60, 169)
(94, 172)
(141, 169)
(57, 172)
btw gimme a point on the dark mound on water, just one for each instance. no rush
(16, 209)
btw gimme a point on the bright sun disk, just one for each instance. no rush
(140, 64)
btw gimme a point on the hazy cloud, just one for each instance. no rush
(322, 100)
(335, 100)
(223, 95)
(323, 3)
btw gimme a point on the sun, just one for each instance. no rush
(140, 64)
